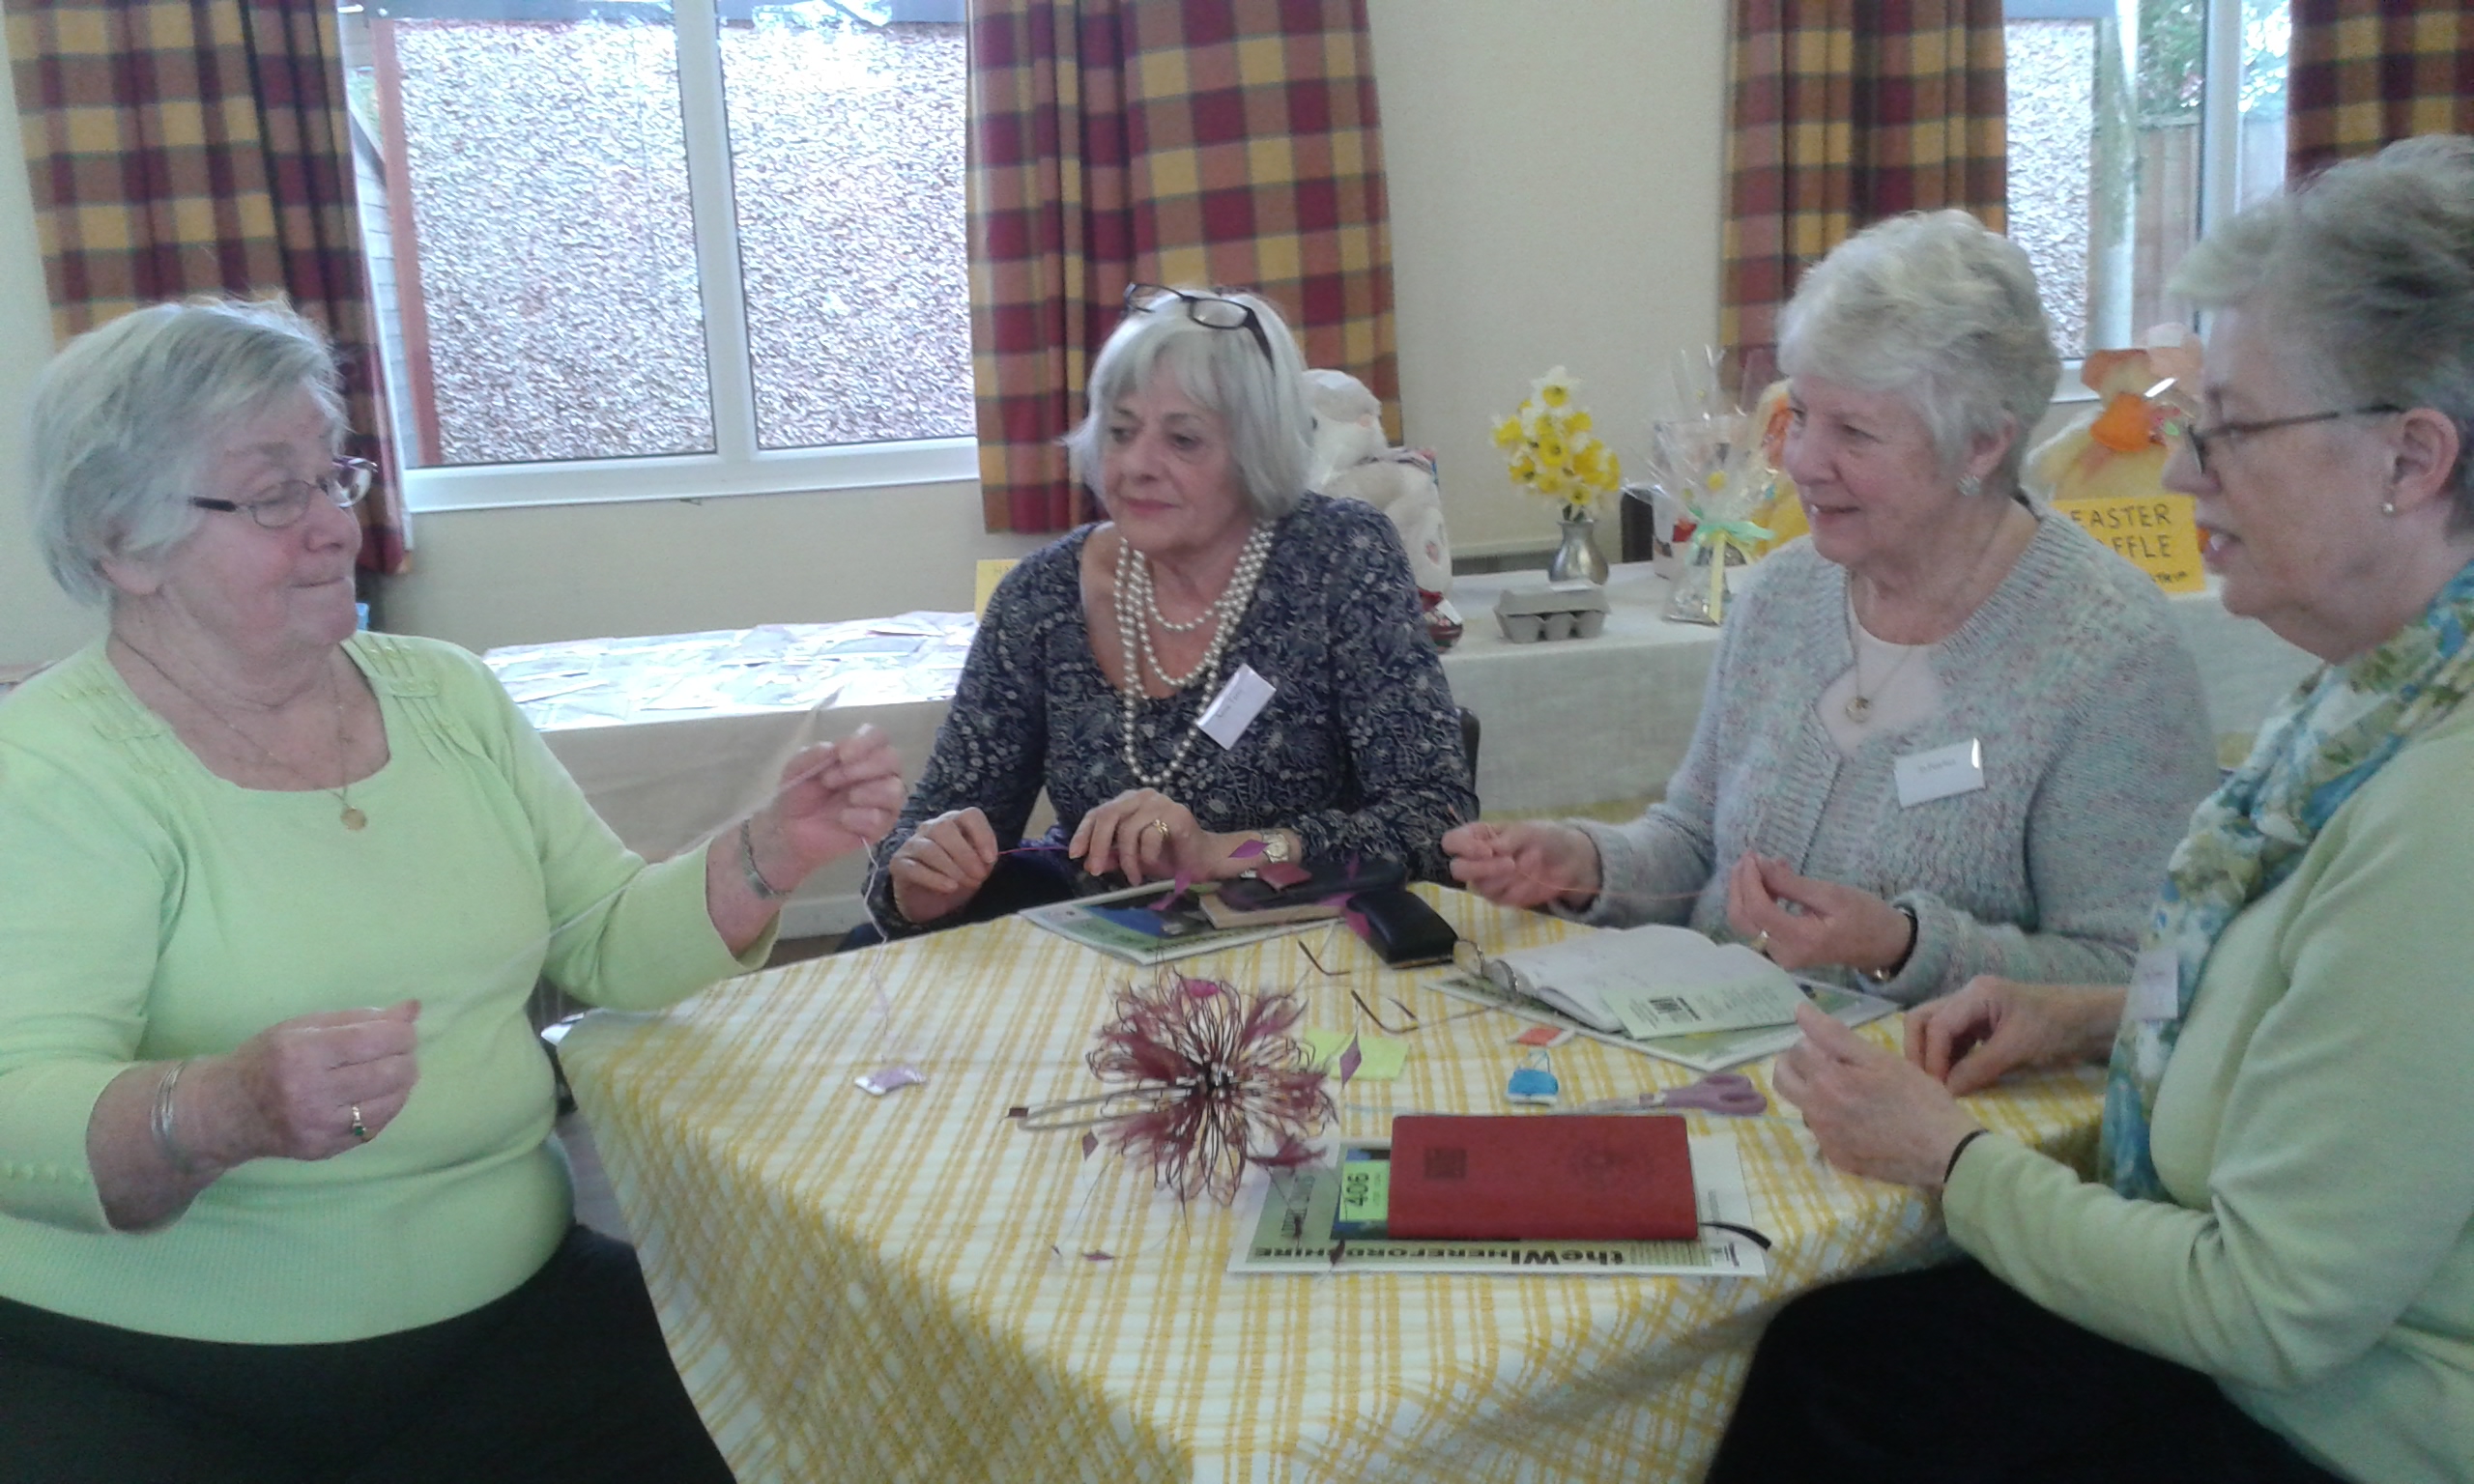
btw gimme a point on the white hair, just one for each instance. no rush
(2367, 271)
(1941, 313)
(1271, 427)
(124, 422)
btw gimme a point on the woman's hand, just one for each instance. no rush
(1995, 1026)
(1873, 1114)
(1837, 925)
(1526, 865)
(834, 798)
(1143, 835)
(289, 1090)
(943, 864)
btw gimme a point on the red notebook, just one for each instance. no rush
(1611, 1177)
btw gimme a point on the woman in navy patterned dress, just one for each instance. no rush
(1212, 579)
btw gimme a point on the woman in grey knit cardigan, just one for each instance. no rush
(1949, 734)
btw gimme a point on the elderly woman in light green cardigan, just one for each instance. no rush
(276, 1195)
(2273, 1278)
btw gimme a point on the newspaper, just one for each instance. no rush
(1128, 925)
(1707, 1051)
(1316, 1219)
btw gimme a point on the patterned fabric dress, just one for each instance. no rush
(1358, 751)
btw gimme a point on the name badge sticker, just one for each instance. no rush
(1236, 706)
(2155, 985)
(1938, 774)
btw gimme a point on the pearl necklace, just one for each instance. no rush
(1137, 607)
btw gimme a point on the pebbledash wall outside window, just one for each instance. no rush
(2134, 125)
(655, 250)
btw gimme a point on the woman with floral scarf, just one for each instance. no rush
(2273, 1276)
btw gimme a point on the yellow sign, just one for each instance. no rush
(2155, 532)
(991, 572)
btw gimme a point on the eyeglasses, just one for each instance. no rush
(1215, 309)
(2227, 434)
(287, 502)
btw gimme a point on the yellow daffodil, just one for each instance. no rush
(1550, 449)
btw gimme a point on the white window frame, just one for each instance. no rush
(737, 465)
(2220, 137)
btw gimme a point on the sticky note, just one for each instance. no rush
(1381, 1058)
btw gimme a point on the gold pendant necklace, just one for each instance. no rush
(1859, 706)
(353, 818)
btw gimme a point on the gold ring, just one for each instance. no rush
(1161, 825)
(1761, 944)
(359, 1129)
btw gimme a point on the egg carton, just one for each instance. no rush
(1553, 610)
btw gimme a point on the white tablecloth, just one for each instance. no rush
(672, 737)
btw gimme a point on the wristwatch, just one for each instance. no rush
(1275, 849)
(1890, 970)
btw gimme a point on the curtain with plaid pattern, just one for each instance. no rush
(1117, 141)
(183, 147)
(1844, 112)
(2369, 72)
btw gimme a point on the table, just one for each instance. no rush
(890, 1289)
(669, 752)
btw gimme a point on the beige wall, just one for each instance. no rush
(1554, 197)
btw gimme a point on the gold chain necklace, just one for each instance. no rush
(1860, 705)
(353, 818)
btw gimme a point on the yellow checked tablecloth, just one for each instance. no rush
(893, 1289)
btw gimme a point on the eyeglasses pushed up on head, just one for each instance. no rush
(1215, 309)
(285, 503)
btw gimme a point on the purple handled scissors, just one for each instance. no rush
(1727, 1094)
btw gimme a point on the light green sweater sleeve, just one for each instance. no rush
(2313, 1130)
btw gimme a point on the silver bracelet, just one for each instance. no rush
(166, 1141)
(766, 890)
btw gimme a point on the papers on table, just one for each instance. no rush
(1290, 1220)
(1705, 1052)
(788, 667)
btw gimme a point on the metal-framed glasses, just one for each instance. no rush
(285, 503)
(1215, 309)
(2225, 434)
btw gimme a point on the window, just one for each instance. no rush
(643, 251)
(2135, 125)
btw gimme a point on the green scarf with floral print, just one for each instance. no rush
(2325, 742)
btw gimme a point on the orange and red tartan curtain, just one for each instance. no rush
(1844, 112)
(2364, 73)
(1114, 141)
(185, 147)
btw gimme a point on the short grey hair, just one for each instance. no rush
(124, 422)
(1936, 309)
(2367, 271)
(1270, 425)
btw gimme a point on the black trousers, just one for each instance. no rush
(1950, 1374)
(565, 1379)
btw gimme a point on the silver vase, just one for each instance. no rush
(1578, 556)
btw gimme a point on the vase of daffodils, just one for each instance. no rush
(1552, 453)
